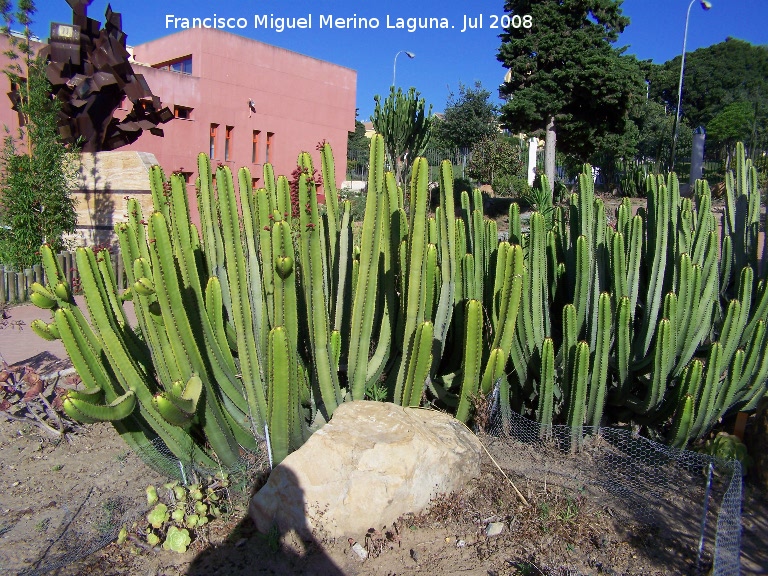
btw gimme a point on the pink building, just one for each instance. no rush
(240, 100)
(209, 78)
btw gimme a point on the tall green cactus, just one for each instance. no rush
(261, 322)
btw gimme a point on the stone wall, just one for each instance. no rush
(104, 180)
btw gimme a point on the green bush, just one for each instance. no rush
(495, 157)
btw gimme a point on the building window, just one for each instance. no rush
(214, 130)
(255, 147)
(255, 183)
(182, 112)
(187, 176)
(228, 142)
(180, 65)
(270, 144)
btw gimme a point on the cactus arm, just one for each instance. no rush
(417, 247)
(83, 411)
(284, 421)
(681, 424)
(419, 360)
(623, 348)
(598, 385)
(578, 392)
(537, 269)
(388, 296)
(470, 375)
(318, 317)
(431, 271)
(209, 220)
(251, 233)
(581, 292)
(240, 306)
(619, 268)
(446, 231)
(515, 235)
(328, 171)
(705, 401)
(546, 384)
(633, 261)
(214, 307)
(727, 392)
(658, 218)
(364, 299)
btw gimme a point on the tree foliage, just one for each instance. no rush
(36, 170)
(715, 76)
(357, 141)
(468, 118)
(497, 160)
(734, 123)
(565, 69)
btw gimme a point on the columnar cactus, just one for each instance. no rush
(261, 321)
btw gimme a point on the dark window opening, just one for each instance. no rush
(182, 112)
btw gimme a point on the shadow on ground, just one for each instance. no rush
(280, 551)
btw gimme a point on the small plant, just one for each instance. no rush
(729, 447)
(178, 513)
(376, 391)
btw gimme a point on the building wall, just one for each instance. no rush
(300, 100)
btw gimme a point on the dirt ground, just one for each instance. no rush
(65, 499)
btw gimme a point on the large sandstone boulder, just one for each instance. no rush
(372, 463)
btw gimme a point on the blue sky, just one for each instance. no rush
(444, 57)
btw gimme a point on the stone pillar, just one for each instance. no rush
(697, 155)
(102, 183)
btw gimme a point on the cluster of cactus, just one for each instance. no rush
(247, 329)
(178, 512)
(643, 320)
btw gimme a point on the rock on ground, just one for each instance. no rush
(372, 463)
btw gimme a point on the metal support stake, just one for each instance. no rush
(710, 471)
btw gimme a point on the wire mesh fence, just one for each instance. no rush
(687, 504)
(690, 503)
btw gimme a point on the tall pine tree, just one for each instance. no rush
(565, 76)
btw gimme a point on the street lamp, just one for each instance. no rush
(394, 66)
(706, 6)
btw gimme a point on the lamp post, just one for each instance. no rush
(706, 6)
(394, 66)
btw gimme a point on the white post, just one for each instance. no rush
(533, 145)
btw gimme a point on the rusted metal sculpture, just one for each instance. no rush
(90, 72)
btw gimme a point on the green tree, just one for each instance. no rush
(715, 76)
(734, 123)
(357, 141)
(565, 76)
(404, 122)
(36, 170)
(497, 160)
(467, 119)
